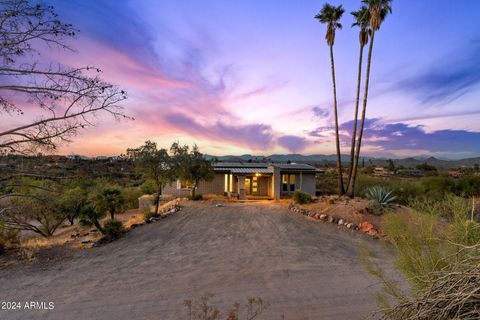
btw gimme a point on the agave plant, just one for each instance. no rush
(381, 198)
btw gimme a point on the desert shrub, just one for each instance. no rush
(148, 187)
(437, 186)
(364, 182)
(131, 195)
(437, 248)
(147, 213)
(8, 237)
(195, 197)
(90, 216)
(109, 198)
(72, 202)
(405, 190)
(301, 197)
(467, 186)
(381, 198)
(114, 228)
(327, 183)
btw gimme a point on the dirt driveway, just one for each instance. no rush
(303, 269)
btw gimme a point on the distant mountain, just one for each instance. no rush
(331, 159)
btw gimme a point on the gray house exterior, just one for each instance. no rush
(253, 180)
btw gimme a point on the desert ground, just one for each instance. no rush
(302, 269)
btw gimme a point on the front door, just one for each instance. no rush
(248, 186)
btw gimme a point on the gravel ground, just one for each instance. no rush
(303, 269)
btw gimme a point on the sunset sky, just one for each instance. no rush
(254, 77)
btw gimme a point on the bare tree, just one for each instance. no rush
(64, 99)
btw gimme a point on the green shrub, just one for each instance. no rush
(131, 195)
(147, 213)
(301, 197)
(148, 187)
(196, 197)
(8, 237)
(114, 228)
(364, 182)
(381, 198)
(405, 190)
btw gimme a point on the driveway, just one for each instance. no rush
(303, 269)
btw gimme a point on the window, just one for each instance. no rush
(285, 182)
(292, 182)
(230, 187)
(184, 184)
(254, 185)
(225, 185)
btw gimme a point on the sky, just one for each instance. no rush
(239, 77)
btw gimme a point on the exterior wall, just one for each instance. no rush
(216, 186)
(308, 183)
(303, 181)
(263, 185)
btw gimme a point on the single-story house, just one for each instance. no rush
(247, 180)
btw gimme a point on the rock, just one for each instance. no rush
(373, 233)
(331, 219)
(134, 225)
(340, 222)
(148, 221)
(323, 216)
(86, 241)
(366, 226)
(349, 225)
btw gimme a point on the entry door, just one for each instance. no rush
(248, 186)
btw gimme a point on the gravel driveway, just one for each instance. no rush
(303, 269)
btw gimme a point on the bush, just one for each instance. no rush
(131, 196)
(8, 237)
(365, 182)
(148, 187)
(301, 197)
(147, 213)
(381, 198)
(196, 197)
(114, 228)
(405, 190)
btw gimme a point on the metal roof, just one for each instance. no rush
(252, 170)
(252, 167)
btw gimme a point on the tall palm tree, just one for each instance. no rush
(330, 15)
(378, 11)
(362, 20)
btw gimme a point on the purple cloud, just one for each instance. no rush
(320, 112)
(256, 136)
(293, 143)
(402, 136)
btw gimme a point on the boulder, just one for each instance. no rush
(366, 226)
(340, 222)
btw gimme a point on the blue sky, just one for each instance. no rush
(254, 76)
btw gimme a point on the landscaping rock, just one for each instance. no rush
(340, 222)
(331, 219)
(366, 226)
(86, 241)
(323, 216)
(349, 225)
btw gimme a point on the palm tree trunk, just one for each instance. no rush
(357, 102)
(351, 184)
(341, 189)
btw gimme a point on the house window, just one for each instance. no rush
(254, 185)
(225, 185)
(228, 185)
(292, 182)
(184, 184)
(285, 182)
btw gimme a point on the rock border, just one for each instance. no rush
(365, 227)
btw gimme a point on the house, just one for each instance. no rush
(248, 180)
(410, 172)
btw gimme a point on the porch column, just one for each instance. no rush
(241, 187)
(276, 182)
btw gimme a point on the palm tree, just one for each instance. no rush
(331, 15)
(378, 11)
(362, 20)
